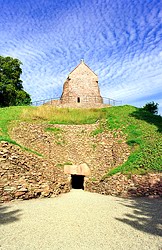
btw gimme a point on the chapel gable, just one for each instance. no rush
(81, 87)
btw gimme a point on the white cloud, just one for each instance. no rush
(120, 41)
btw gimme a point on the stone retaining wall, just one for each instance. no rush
(149, 185)
(59, 104)
(25, 175)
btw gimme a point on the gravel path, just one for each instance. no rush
(81, 220)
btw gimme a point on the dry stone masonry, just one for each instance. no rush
(25, 175)
(75, 144)
(149, 185)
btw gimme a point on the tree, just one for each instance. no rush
(151, 107)
(11, 88)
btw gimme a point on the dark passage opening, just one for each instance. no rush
(78, 99)
(77, 181)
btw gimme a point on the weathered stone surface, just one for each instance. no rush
(81, 169)
(76, 145)
(149, 185)
(18, 194)
(23, 189)
(84, 169)
(81, 87)
(24, 175)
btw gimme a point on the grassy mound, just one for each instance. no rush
(142, 129)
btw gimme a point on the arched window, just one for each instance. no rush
(78, 99)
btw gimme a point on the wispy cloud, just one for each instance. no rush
(120, 40)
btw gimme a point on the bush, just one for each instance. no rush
(151, 107)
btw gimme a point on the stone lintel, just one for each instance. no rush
(81, 169)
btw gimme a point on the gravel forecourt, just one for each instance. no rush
(81, 220)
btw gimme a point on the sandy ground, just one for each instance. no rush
(81, 220)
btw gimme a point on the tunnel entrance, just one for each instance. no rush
(77, 181)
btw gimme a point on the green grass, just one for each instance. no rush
(7, 117)
(58, 134)
(97, 131)
(53, 130)
(63, 164)
(53, 115)
(143, 131)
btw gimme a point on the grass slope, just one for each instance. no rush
(142, 129)
(7, 117)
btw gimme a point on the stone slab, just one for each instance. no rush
(81, 169)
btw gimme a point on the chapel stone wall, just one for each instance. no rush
(81, 87)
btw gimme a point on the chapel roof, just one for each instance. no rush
(83, 63)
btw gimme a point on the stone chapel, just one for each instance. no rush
(81, 88)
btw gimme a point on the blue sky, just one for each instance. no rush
(120, 40)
